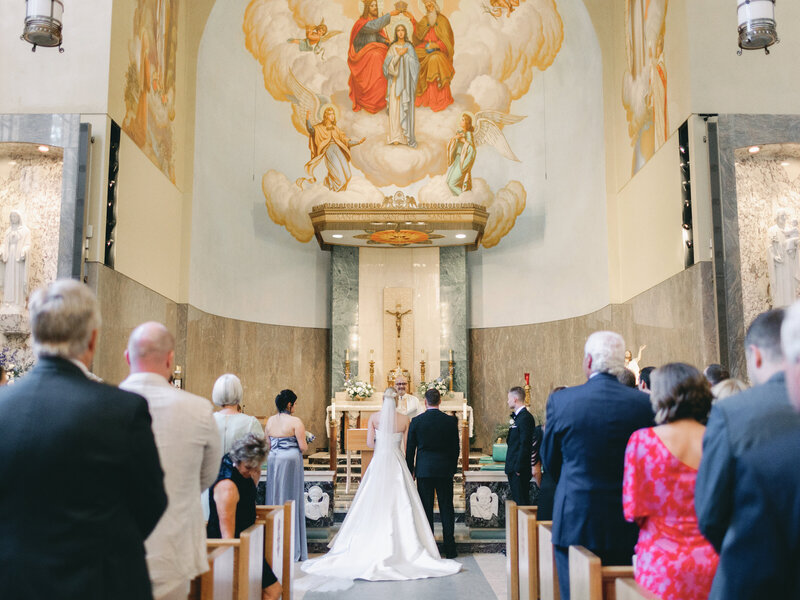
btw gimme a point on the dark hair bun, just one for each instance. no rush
(284, 399)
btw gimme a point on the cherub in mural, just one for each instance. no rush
(401, 68)
(316, 35)
(435, 43)
(497, 6)
(463, 146)
(368, 47)
(329, 143)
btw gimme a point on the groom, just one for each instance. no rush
(433, 439)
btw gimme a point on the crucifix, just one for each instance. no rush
(398, 318)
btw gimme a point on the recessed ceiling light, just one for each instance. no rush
(461, 236)
(753, 149)
(44, 148)
(785, 163)
(338, 236)
(12, 162)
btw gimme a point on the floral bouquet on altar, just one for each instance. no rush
(358, 390)
(436, 384)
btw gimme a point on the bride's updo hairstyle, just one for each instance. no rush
(284, 399)
(390, 393)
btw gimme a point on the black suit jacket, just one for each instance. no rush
(736, 424)
(585, 436)
(520, 444)
(81, 487)
(761, 553)
(433, 442)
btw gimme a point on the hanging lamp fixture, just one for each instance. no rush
(756, 25)
(43, 23)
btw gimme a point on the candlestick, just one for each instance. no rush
(422, 371)
(451, 367)
(372, 372)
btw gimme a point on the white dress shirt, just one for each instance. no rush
(409, 405)
(188, 444)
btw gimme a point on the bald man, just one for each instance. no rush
(189, 448)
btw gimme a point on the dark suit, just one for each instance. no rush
(761, 554)
(518, 456)
(433, 446)
(735, 424)
(81, 487)
(585, 436)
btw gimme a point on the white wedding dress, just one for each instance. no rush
(385, 535)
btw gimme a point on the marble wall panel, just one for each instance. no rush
(675, 319)
(344, 313)
(730, 133)
(453, 301)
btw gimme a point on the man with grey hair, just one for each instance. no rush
(739, 423)
(585, 434)
(80, 482)
(761, 549)
(189, 447)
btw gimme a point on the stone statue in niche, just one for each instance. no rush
(483, 503)
(14, 252)
(782, 243)
(317, 503)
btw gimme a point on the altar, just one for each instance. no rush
(453, 403)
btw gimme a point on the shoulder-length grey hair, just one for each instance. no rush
(607, 350)
(227, 390)
(251, 450)
(63, 314)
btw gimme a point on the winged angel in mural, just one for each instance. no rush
(325, 140)
(494, 64)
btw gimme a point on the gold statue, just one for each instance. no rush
(398, 318)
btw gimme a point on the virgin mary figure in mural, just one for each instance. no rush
(401, 69)
(329, 143)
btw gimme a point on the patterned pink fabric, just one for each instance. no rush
(673, 559)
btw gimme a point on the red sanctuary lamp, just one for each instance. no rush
(527, 389)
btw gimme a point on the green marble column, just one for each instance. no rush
(453, 302)
(344, 313)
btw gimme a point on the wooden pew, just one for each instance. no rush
(279, 541)
(589, 580)
(512, 550)
(528, 553)
(217, 582)
(628, 589)
(248, 555)
(548, 576)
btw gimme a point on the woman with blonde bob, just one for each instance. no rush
(673, 559)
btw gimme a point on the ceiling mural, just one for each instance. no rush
(644, 84)
(407, 94)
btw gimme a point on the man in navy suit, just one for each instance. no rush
(585, 434)
(433, 442)
(761, 550)
(81, 485)
(520, 447)
(740, 422)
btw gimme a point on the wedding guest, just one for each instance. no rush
(741, 422)
(231, 422)
(189, 449)
(287, 438)
(644, 379)
(88, 443)
(728, 387)
(627, 378)
(716, 373)
(232, 499)
(586, 430)
(673, 559)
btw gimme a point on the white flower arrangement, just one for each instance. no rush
(437, 384)
(358, 389)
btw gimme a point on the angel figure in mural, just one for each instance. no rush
(462, 148)
(401, 69)
(497, 6)
(14, 252)
(316, 35)
(326, 141)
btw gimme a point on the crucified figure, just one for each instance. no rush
(398, 318)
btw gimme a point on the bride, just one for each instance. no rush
(385, 535)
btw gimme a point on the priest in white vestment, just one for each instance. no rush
(190, 451)
(408, 404)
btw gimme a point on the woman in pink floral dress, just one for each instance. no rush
(673, 559)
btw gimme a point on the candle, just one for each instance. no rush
(451, 354)
(464, 407)
(347, 354)
(423, 354)
(333, 410)
(371, 354)
(527, 378)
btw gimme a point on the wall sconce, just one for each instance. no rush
(756, 25)
(43, 23)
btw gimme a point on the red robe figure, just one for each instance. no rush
(368, 46)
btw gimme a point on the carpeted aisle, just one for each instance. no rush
(471, 582)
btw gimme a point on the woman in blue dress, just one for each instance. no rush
(287, 440)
